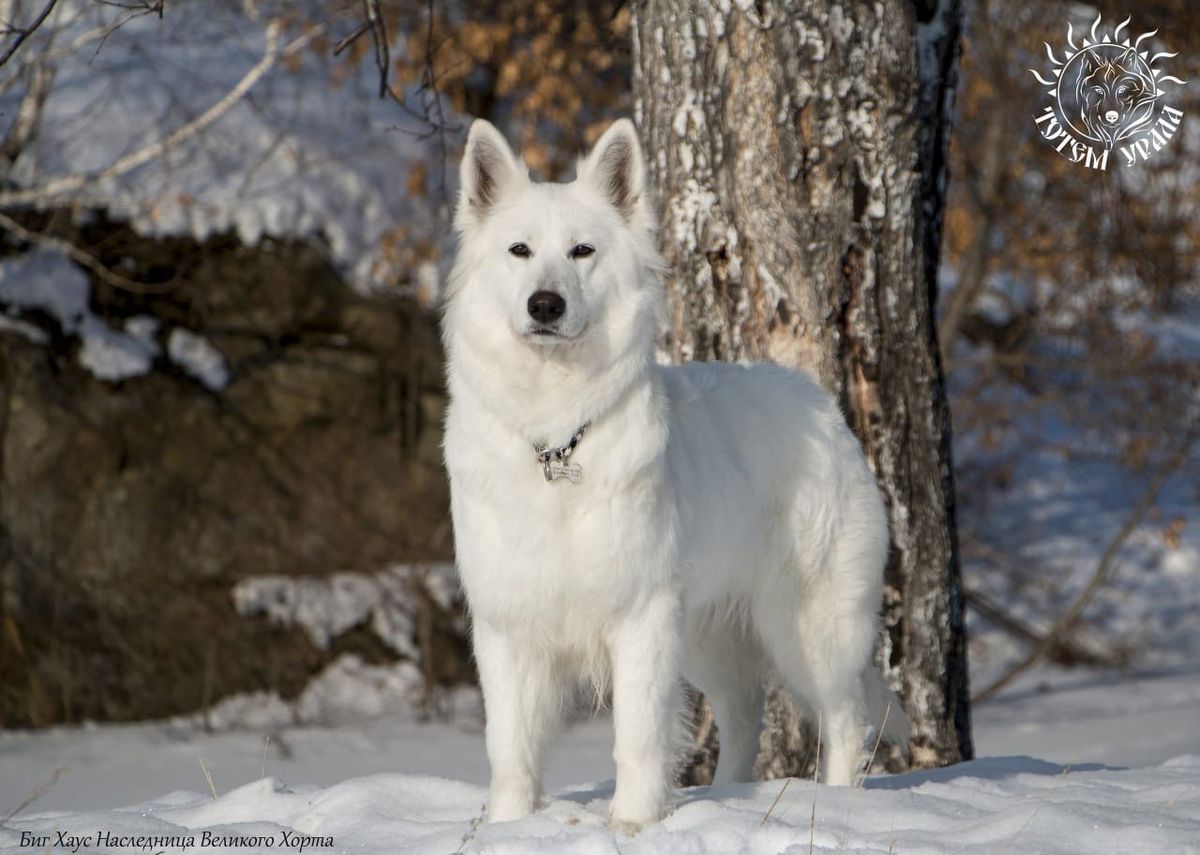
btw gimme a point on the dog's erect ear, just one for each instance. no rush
(488, 167)
(616, 167)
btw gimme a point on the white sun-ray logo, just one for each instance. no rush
(1107, 93)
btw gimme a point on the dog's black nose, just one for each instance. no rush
(546, 306)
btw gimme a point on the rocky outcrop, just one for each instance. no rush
(129, 510)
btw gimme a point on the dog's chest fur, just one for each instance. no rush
(561, 559)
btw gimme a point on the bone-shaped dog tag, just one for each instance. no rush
(556, 469)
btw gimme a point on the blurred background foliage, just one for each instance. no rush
(1069, 324)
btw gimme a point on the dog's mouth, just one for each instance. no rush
(549, 335)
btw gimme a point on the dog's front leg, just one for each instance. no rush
(645, 651)
(521, 701)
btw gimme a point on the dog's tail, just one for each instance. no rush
(885, 710)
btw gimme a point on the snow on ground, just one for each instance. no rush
(1085, 715)
(1054, 522)
(1049, 466)
(1013, 804)
(393, 784)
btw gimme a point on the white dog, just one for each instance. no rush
(625, 522)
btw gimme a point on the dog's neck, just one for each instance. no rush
(543, 396)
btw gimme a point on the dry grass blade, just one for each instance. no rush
(472, 829)
(887, 711)
(38, 791)
(266, 744)
(212, 787)
(771, 809)
(812, 820)
(862, 781)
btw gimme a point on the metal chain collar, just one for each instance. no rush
(556, 461)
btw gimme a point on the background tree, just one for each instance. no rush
(800, 154)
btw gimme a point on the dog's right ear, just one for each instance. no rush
(488, 168)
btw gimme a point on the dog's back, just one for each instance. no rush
(768, 468)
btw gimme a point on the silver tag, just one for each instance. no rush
(556, 469)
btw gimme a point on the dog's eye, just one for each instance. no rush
(581, 250)
(520, 250)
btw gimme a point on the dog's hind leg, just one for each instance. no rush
(522, 695)
(820, 651)
(843, 730)
(721, 661)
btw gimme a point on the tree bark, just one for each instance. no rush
(799, 151)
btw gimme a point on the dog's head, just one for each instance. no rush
(557, 267)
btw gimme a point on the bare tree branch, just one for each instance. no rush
(137, 10)
(22, 35)
(380, 37)
(350, 39)
(429, 87)
(89, 261)
(1065, 650)
(149, 7)
(73, 183)
(377, 27)
(40, 76)
(54, 55)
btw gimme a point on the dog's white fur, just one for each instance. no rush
(726, 522)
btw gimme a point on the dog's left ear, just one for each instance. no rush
(617, 169)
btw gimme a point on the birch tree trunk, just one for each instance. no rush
(799, 152)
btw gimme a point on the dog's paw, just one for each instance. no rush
(637, 802)
(631, 819)
(509, 804)
(626, 827)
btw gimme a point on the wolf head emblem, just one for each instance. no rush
(1114, 93)
(1107, 94)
